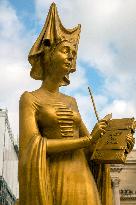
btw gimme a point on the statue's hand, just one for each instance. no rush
(130, 142)
(99, 129)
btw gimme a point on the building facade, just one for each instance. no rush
(8, 162)
(124, 181)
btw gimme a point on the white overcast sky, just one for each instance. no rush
(106, 57)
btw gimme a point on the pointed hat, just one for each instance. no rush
(53, 33)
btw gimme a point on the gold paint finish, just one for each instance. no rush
(54, 144)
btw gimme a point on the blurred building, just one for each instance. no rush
(8, 162)
(124, 181)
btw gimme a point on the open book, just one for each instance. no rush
(112, 147)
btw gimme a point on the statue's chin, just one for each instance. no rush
(65, 80)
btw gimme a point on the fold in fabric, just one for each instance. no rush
(101, 173)
(32, 174)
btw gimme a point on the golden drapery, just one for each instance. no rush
(32, 157)
(35, 180)
(35, 185)
(101, 173)
(64, 175)
(33, 166)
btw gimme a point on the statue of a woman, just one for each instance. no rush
(54, 142)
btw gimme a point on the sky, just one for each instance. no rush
(106, 56)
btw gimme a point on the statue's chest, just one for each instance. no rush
(59, 117)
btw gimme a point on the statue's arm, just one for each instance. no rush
(83, 131)
(62, 145)
(27, 120)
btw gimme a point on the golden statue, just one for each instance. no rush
(54, 145)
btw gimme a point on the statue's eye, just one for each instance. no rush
(65, 49)
(68, 50)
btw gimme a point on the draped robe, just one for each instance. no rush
(62, 178)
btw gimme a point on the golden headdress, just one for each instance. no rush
(53, 33)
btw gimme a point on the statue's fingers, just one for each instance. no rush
(130, 144)
(102, 131)
(107, 117)
(129, 141)
(103, 128)
(103, 123)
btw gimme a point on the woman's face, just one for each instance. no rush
(62, 58)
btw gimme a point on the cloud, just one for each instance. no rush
(15, 41)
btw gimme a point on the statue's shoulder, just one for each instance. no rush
(71, 100)
(28, 97)
(68, 97)
(25, 95)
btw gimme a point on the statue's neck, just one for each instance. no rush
(51, 85)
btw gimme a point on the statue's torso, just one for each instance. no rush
(57, 117)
